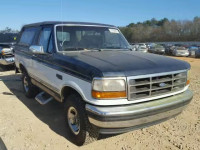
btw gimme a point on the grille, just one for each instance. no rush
(8, 56)
(153, 86)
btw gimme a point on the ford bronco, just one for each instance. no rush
(106, 88)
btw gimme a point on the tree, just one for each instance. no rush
(163, 30)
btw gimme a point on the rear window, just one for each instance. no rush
(27, 36)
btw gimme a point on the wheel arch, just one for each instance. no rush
(22, 67)
(67, 90)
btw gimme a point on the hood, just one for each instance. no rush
(126, 63)
(160, 48)
(182, 51)
(6, 50)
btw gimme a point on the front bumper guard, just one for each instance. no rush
(7, 61)
(119, 119)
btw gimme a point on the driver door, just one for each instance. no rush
(40, 62)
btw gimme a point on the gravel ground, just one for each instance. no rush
(26, 125)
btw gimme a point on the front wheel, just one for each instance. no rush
(29, 89)
(79, 130)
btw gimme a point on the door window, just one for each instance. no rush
(44, 38)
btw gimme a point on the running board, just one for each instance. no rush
(43, 98)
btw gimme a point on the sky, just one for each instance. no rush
(16, 13)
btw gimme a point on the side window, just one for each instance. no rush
(27, 36)
(44, 38)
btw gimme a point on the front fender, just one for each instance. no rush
(78, 89)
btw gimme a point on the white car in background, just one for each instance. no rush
(133, 47)
(181, 51)
(142, 48)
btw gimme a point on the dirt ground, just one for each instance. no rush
(26, 125)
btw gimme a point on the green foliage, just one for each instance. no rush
(8, 35)
(8, 30)
(162, 30)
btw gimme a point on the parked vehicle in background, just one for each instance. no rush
(180, 51)
(192, 51)
(197, 53)
(6, 54)
(169, 48)
(186, 46)
(142, 48)
(142, 44)
(157, 49)
(133, 47)
(148, 45)
(104, 86)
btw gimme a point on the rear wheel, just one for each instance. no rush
(79, 130)
(29, 89)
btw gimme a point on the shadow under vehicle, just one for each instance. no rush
(51, 114)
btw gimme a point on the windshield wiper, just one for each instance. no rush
(94, 49)
(73, 49)
(81, 48)
(117, 49)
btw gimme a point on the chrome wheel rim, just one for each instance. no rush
(73, 120)
(26, 86)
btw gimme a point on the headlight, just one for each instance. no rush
(109, 88)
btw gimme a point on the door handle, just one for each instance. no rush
(59, 76)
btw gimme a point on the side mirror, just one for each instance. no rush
(37, 49)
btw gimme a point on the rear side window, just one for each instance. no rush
(27, 36)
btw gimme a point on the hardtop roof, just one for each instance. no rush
(60, 22)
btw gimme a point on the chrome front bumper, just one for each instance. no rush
(7, 61)
(119, 119)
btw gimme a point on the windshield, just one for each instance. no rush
(159, 46)
(142, 47)
(181, 48)
(141, 44)
(92, 38)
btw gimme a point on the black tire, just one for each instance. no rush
(86, 133)
(4, 68)
(29, 89)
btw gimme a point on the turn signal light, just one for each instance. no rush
(3, 52)
(108, 95)
(188, 82)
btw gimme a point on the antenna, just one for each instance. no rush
(61, 9)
